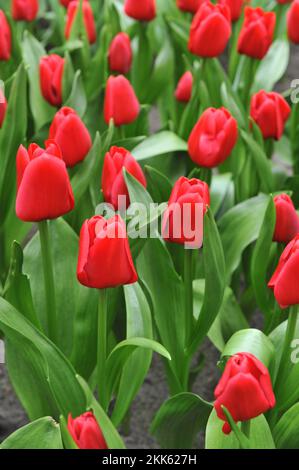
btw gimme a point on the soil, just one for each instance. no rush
(154, 390)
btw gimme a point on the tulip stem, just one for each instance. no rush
(48, 279)
(289, 336)
(102, 347)
(188, 281)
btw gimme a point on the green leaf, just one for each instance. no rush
(44, 433)
(67, 439)
(230, 103)
(179, 419)
(158, 184)
(272, 68)
(77, 99)
(159, 144)
(260, 434)
(42, 111)
(139, 324)
(252, 341)
(220, 191)
(42, 377)
(113, 439)
(286, 430)
(239, 227)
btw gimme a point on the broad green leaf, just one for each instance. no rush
(230, 103)
(272, 68)
(260, 434)
(286, 430)
(44, 433)
(158, 184)
(77, 99)
(220, 189)
(179, 420)
(159, 144)
(68, 441)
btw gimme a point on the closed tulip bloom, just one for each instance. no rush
(257, 32)
(72, 136)
(287, 219)
(51, 73)
(120, 54)
(121, 103)
(113, 182)
(210, 30)
(183, 90)
(43, 186)
(65, 3)
(144, 10)
(285, 280)
(88, 19)
(3, 106)
(5, 37)
(293, 22)
(235, 7)
(183, 219)
(245, 389)
(86, 432)
(213, 137)
(189, 5)
(270, 111)
(24, 10)
(105, 258)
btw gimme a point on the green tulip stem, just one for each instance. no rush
(102, 347)
(48, 279)
(188, 281)
(286, 350)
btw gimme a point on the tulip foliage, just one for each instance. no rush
(149, 185)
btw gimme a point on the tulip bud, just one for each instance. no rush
(65, 3)
(189, 5)
(43, 186)
(88, 19)
(86, 432)
(3, 106)
(121, 103)
(284, 281)
(120, 54)
(235, 7)
(104, 254)
(257, 32)
(245, 389)
(183, 218)
(5, 37)
(72, 136)
(183, 90)
(141, 10)
(51, 72)
(113, 182)
(24, 10)
(270, 111)
(213, 137)
(293, 22)
(287, 219)
(210, 30)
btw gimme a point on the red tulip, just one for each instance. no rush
(293, 22)
(257, 32)
(183, 218)
(51, 72)
(183, 90)
(86, 432)
(88, 18)
(189, 5)
(210, 30)
(284, 2)
(43, 186)
(287, 219)
(3, 106)
(65, 3)
(245, 389)
(285, 280)
(144, 10)
(104, 254)
(5, 37)
(113, 182)
(120, 54)
(235, 7)
(121, 103)
(213, 137)
(71, 135)
(24, 10)
(270, 111)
